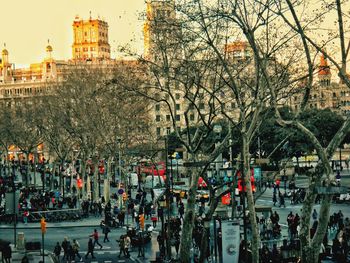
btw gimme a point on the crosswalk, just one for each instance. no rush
(103, 256)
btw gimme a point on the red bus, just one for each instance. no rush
(146, 168)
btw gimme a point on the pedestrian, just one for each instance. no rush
(181, 209)
(160, 241)
(282, 203)
(140, 245)
(127, 243)
(177, 243)
(274, 199)
(96, 237)
(154, 218)
(90, 249)
(7, 253)
(121, 242)
(57, 251)
(76, 247)
(70, 253)
(65, 244)
(105, 231)
(25, 216)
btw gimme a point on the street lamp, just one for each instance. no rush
(162, 203)
(217, 130)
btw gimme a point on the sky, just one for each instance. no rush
(27, 26)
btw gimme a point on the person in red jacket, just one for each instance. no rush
(96, 237)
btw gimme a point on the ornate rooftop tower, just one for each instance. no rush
(324, 72)
(90, 39)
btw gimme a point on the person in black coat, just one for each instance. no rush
(7, 254)
(90, 249)
(57, 251)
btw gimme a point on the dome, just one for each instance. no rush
(49, 48)
(4, 52)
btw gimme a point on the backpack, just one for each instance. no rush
(76, 246)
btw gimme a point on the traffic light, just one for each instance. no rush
(79, 183)
(43, 225)
(125, 196)
(142, 221)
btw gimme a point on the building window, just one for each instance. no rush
(168, 130)
(177, 117)
(201, 106)
(177, 106)
(191, 117)
(223, 106)
(158, 131)
(157, 107)
(334, 95)
(191, 106)
(177, 96)
(233, 105)
(77, 49)
(157, 118)
(168, 117)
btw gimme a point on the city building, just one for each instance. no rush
(90, 39)
(161, 30)
(325, 93)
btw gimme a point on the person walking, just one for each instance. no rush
(121, 242)
(7, 254)
(181, 209)
(154, 218)
(96, 237)
(65, 244)
(282, 203)
(127, 243)
(105, 231)
(90, 249)
(57, 251)
(141, 252)
(76, 247)
(274, 199)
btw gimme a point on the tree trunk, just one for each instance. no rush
(304, 234)
(187, 228)
(106, 185)
(313, 253)
(250, 201)
(205, 234)
(95, 181)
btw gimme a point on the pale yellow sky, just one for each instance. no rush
(27, 25)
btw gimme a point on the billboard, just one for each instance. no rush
(230, 241)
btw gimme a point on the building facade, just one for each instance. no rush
(90, 40)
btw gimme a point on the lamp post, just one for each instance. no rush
(217, 130)
(162, 204)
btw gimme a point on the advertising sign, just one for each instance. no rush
(230, 241)
(257, 173)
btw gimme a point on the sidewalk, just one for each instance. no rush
(33, 256)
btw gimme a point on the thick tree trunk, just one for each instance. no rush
(106, 185)
(187, 228)
(83, 177)
(304, 234)
(95, 181)
(250, 201)
(205, 234)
